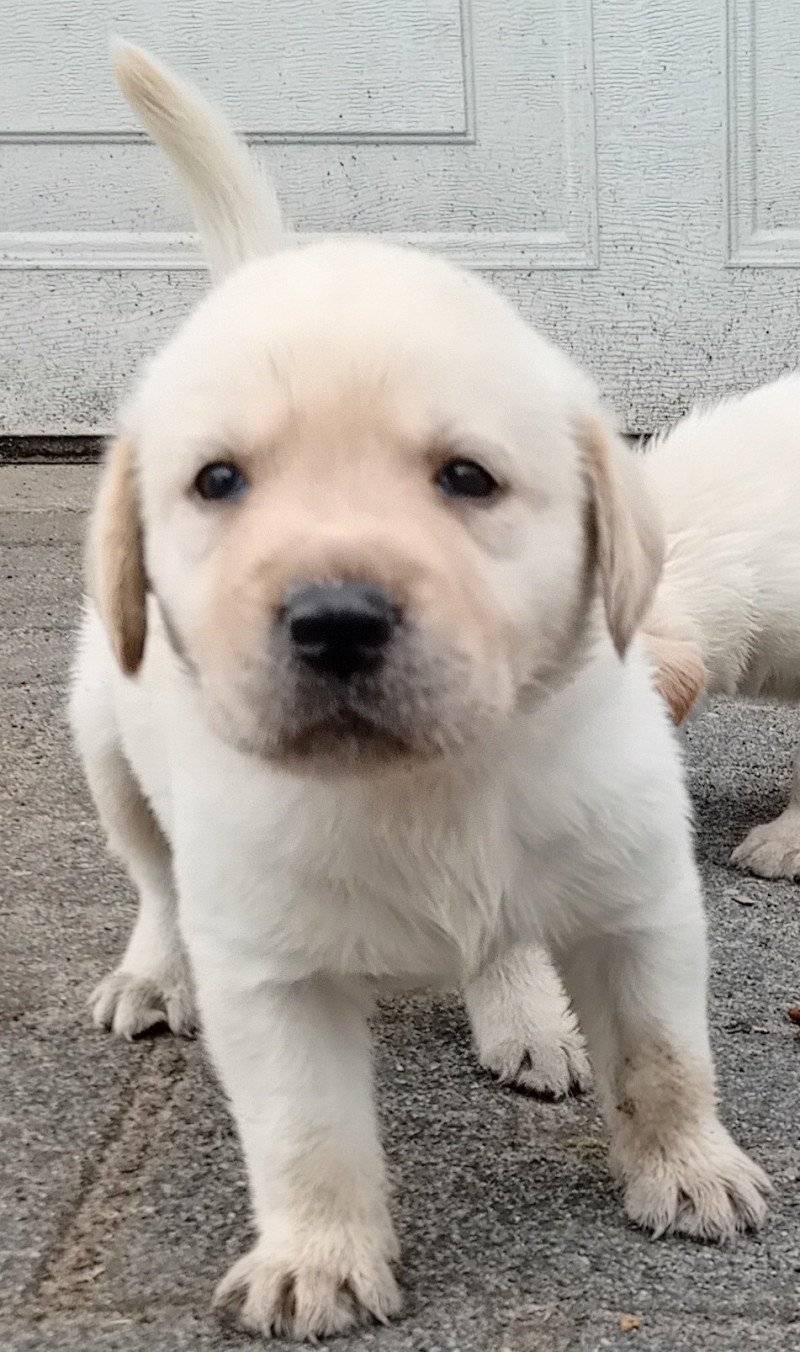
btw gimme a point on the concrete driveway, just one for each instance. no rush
(123, 1197)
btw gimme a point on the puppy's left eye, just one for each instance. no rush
(220, 482)
(466, 479)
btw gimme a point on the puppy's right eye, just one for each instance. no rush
(220, 482)
(466, 479)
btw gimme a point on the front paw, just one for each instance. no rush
(334, 1284)
(706, 1187)
(130, 1003)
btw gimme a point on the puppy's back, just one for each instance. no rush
(727, 481)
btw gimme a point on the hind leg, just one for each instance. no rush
(151, 984)
(524, 1029)
(773, 850)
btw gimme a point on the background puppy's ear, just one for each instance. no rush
(680, 672)
(630, 538)
(117, 580)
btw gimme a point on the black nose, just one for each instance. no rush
(340, 628)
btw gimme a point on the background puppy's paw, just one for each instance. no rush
(128, 1003)
(306, 1300)
(549, 1061)
(708, 1189)
(772, 850)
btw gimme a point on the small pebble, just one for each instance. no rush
(741, 897)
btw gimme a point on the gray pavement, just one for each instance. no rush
(122, 1196)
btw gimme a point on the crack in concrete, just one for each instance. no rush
(64, 1280)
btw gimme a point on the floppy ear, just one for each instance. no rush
(630, 538)
(117, 580)
(681, 675)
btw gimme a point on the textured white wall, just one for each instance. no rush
(630, 175)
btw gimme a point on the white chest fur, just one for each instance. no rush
(422, 874)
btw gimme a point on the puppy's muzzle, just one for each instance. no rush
(340, 629)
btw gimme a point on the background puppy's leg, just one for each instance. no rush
(151, 985)
(773, 850)
(525, 1032)
(295, 1060)
(641, 996)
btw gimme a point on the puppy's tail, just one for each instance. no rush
(235, 210)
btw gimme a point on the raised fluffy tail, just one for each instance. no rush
(236, 210)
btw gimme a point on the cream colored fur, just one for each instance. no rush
(236, 210)
(726, 616)
(509, 779)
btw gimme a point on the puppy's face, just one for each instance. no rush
(369, 508)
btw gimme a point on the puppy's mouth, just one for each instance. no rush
(347, 738)
(421, 704)
(364, 720)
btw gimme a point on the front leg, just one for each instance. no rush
(295, 1061)
(641, 999)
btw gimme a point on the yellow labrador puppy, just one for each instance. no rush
(726, 617)
(359, 699)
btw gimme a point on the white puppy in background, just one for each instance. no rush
(358, 698)
(726, 616)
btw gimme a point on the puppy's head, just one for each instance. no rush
(373, 507)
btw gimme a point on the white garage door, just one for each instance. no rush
(629, 171)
